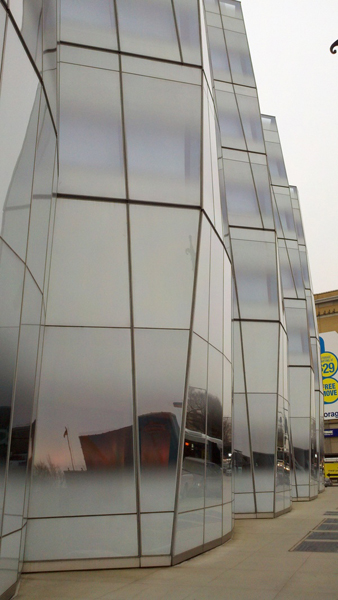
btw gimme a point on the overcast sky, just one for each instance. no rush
(297, 80)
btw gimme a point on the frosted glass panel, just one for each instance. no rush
(91, 151)
(188, 29)
(86, 537)
(241, 197)
(189, 531)
(89, 282)
(163, 144)
(260, 342)
(156, 533)
(256, 275)
(229, 121)
(91, 23)
(147, 27)
(163, 247)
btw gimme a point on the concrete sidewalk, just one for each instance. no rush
(255, 565)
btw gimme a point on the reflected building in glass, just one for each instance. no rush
(136, 171)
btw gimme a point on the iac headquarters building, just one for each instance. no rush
(159, 356)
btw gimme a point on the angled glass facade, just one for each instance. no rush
(159, 354)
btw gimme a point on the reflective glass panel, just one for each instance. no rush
(229, 121)
(241, 458)
(263, 337)
(85, 436)
(301, 445)
(227, 431)
(147, 27)
(262, 184)
(86, 537)
(192, 482)
(252, 124)
(163, 247)
(189, 531)
(276, 164)
(9, 560)
(89, 283)
(241, 196)
(11, 282)
(42, 192)
(156, 531)
(91, 151)
(256, 275)
(219, 56)
(188, 29)
(201, 311)
(89, 22)
(239, 57)
(160, 359)
(286, 215)
(297, 326)
(216, 333)
(213, 524)
(262, 419)
(19, 108)
(213, 485)
(288, 284)
(163, 144)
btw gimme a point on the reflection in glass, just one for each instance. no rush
(163, 144)
(301, 445)
(241, 448)
(160, 359)
(85, 436)
(264, 336)
(262, 419)
(216, 334)
(201, 312)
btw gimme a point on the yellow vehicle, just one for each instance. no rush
(331, 468)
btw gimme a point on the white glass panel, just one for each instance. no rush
(147, 27)
(86, 537)
(262, 419)
(89, 22)
(244, 503)
(156, 533)
(91, 151)
(227, 518)
(42, 192)
(241, 448)
(84, 440)
(192, 482)
(229, 121)
(262, 184)
(238, 359)
(264, 502)
(286, 215)
(213, 524)
(189, 531)
(276, 164)
(163, 144)
(188, 28)
(300, 391)
(241, 196)
(239, 57)
(216, 334)
(163, 245)
(9, 561)
(208, 192)
(219, 56)
(251, 120)
(89, 282)
(297, 326)
(260, 341)
(201, 312)
(160, 360)
(19, 107)
(255, 266)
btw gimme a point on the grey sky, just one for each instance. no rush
(297, 80)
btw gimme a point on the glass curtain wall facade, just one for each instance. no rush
(133, 439)
(261, 411)
(28, 138)
(304, 380)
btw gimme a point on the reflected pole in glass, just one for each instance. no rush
(70, 450)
